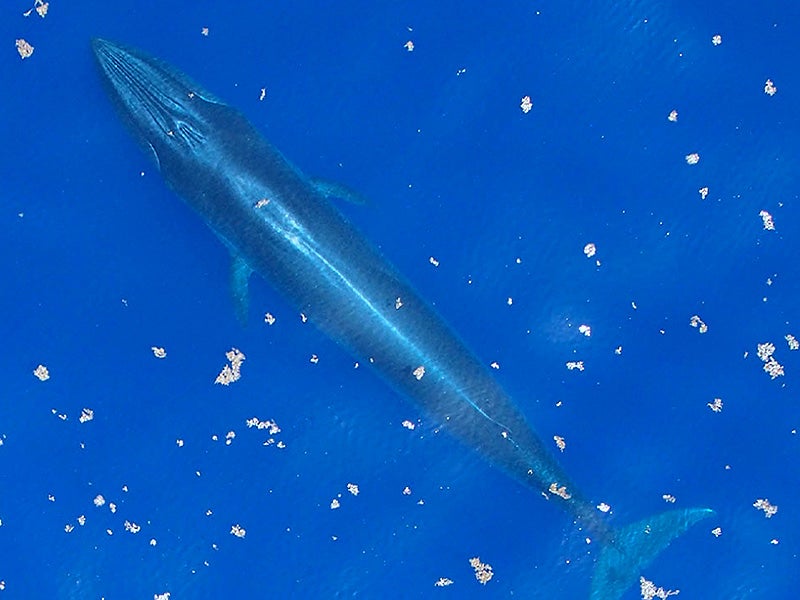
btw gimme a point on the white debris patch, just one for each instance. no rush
(525, 104)
(769, 88)
(40, 6)
(41, 373)
(769, 509)
(693, 158)
(767, 221)
(765, 351)
(232, 371)
(270, 426)
(132, 527)
(696, 322)
(650, 591)
(419, 372)
(585, 330)
(560, 491)
(483, 571)
(590, 250)
(575, 364)
(771, 366)
(229, 437)
(716, 40)
(24, 48)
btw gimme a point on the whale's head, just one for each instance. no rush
(168, 112)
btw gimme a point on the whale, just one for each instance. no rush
(285, 226)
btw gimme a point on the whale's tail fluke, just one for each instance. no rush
(635, 546)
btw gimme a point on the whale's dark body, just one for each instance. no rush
(280, 224)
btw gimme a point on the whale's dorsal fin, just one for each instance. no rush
(334, 189)
(326, 187)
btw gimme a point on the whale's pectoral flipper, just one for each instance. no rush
(334, 189)
(240, 274)
(635, 546)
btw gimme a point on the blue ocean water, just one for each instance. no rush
(102, 262)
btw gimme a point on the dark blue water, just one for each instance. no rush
(101, 262)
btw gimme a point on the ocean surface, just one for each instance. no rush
(123, 475)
